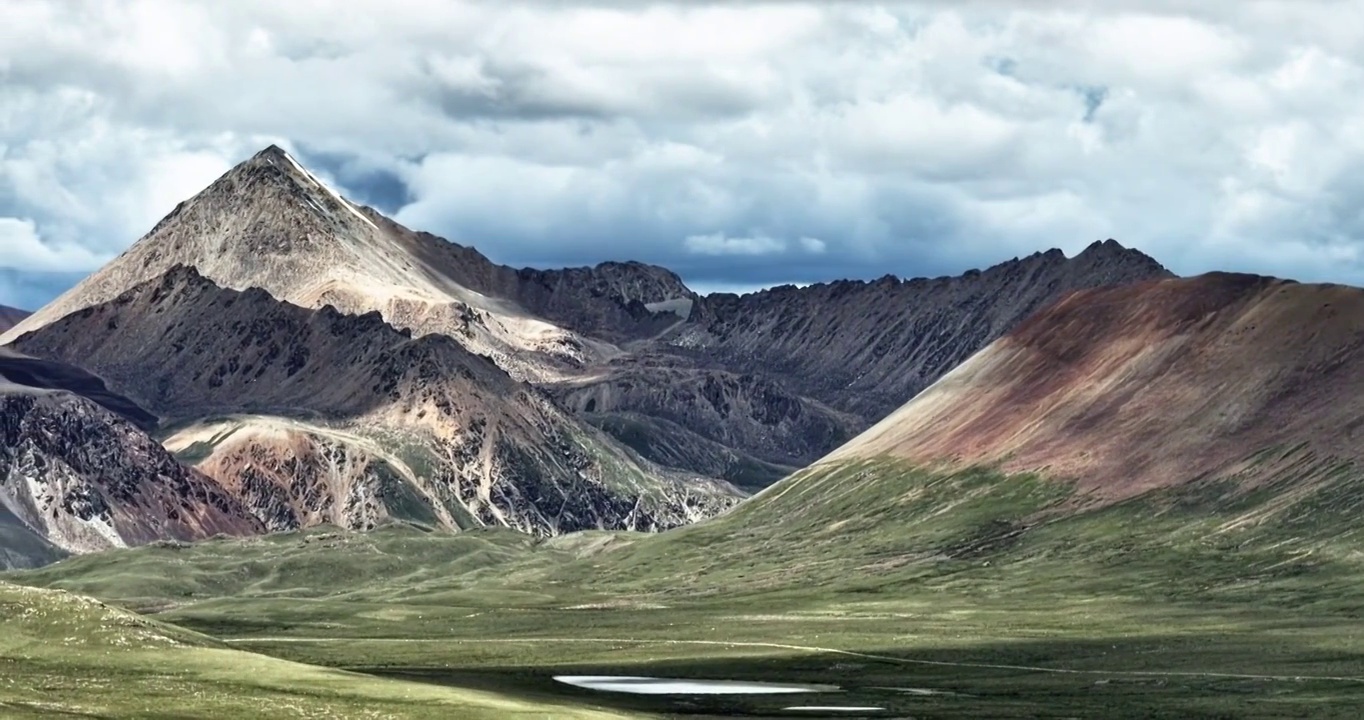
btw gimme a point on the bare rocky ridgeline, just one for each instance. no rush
(326, 364)
(784, 376)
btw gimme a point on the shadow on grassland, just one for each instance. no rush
(1154, 677)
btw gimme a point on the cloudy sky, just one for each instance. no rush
(740, 143)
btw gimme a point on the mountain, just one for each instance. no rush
(743, 388)
(867, 347)
(75, 477)
(9, 317)
(78, 472)
(312, 416)
(271, 224)
(1194, 439)
(1130, 389)
(786, 375)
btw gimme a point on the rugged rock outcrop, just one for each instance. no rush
(32, 372)
(76, 477)
(332, 414)
(751, 412)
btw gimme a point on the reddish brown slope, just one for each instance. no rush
(76, 476)
(1130, 388)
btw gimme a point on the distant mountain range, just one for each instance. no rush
(9, 317)
(317, 362)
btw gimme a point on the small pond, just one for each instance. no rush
(833, 708)
(680, 686)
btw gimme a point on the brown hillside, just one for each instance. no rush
(1130, 388)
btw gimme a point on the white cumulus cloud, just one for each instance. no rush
(718, 244)
(918, 138)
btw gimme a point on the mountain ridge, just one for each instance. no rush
(746, 388)
(315, 396)
(270, 223)
(1134, 388)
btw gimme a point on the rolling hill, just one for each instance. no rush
(67, 655)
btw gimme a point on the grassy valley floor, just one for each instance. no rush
(961, 595)
(62, 655)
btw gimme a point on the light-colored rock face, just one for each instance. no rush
(294, 474)
(76, 476)
(345, 419)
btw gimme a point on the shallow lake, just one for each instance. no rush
(833, 708)
(686, 686)
(666, 695)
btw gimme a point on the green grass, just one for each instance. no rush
(1216, 600)
(62, 654)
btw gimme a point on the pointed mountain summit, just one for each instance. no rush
(272, 224)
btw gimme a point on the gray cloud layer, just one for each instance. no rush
(740, 143)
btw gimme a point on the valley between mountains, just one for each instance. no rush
(358, 469)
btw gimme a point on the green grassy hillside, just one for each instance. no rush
(1006, 596)
(63, 654)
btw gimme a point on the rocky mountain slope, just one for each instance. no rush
(9, 317)
(786, 375)
(317, 416)
(271, 224)
(681, 409)
(741, 387)
(1129, 389)
(75, 477)
(32, 372)
(747, 388)
(867, 347)
(1194, 440)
